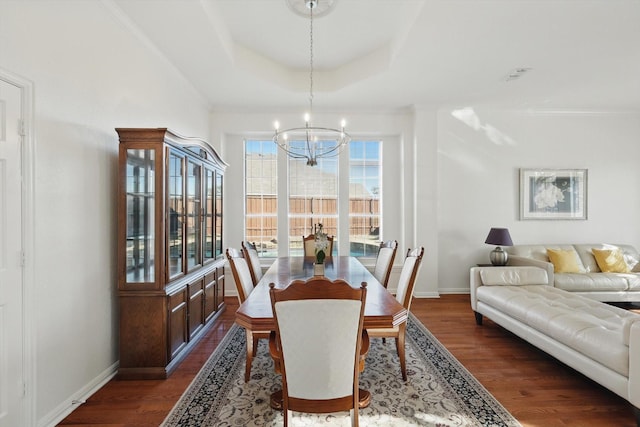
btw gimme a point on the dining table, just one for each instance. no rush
(381, 309)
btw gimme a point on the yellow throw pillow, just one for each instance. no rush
(565, 261)
(610, 260)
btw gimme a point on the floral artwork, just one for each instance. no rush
(553, 194)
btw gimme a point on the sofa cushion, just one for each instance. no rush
(595, 329)
(610, 260)
(633, 280)
(565, 261)
(589, 282)
(500, 276)
(538, 252)
(585, 252)
(631, 257)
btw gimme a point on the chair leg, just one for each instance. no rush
(354, 417)
(401, 350)
(250, 354)
(286, 414)
(255, 346)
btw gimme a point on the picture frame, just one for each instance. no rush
(553, 194)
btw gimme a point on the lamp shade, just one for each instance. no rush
(499, 236)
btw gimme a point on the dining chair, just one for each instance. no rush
(384, 261)
(317, 342)
(310, 248)
(244, 286)
(404, 295)
(251, 254)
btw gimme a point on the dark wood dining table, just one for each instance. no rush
(381, 309)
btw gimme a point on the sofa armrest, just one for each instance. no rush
(504, 276)
(634, 364)
(474, 282)
(524, 261)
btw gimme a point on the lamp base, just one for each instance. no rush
(498, 256)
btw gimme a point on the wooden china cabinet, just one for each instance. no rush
(170, 258)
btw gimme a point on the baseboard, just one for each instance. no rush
(78, 398)
(422, 294)
(464, 290)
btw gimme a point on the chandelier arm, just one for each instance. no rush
(311, 147)
(293, 154)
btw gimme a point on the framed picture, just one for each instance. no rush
(553, 194)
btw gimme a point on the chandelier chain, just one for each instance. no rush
(311, 58)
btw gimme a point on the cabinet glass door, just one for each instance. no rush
(194, 219)
(209, 214)
(175, 200)
(218, 224)
(141, 199)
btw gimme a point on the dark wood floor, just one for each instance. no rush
(534, 387)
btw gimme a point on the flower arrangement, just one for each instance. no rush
(321, 244)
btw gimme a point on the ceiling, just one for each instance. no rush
(394, 54)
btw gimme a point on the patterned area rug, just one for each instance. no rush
(439, 391)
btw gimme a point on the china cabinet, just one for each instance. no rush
(169, 245)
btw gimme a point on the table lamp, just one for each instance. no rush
(499, 237)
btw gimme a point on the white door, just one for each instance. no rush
(11, 272)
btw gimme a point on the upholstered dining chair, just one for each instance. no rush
(318, 341)
(310, 248)
(404, 295)
(384, 261)
(251, 255)
(244, 286)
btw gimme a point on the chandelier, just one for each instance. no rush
(311, 142)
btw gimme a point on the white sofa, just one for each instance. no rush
(599, 340)
(590, 281)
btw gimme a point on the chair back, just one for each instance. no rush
(310, 248)
(319, 326)
(241, 273)
(384, 261)
(251, 255)
(408, 276)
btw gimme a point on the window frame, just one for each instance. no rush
(342, 246)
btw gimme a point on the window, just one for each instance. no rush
(365, 170)
(261, 203)
(314, 197)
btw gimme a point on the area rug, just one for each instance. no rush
(439, 390)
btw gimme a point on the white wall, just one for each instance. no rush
(480, 153)
(90, 75)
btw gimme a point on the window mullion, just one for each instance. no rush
(343, 202)
(283, 204)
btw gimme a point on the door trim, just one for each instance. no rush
(28, 241)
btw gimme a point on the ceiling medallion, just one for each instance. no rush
(320, 7)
